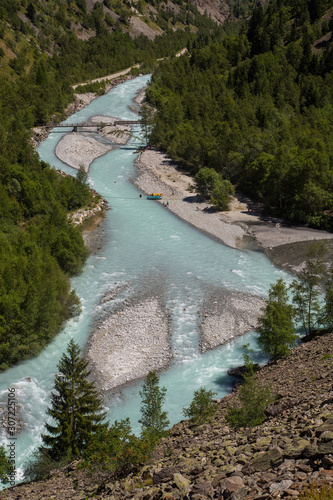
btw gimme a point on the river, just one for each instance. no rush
(144, 243)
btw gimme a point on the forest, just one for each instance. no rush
(256, 106)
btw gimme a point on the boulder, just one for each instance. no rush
(296, 448)
(231, 484)
(265, 461)
(182, 483)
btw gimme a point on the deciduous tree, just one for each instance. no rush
(276, 330)
(307, 289)
(154, 420)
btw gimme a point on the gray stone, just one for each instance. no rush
(278, 488)
(231, 484)
(202, 488)
(296, 448)
(182, 483)
(326, 436)
(267, 460)
(325, 448)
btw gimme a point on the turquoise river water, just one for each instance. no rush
(144, 243)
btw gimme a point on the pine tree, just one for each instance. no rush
(276, 328)
(153, 421)
(76, 408)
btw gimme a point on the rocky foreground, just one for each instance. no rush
(278, 459)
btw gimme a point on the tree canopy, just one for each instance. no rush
(257, 108)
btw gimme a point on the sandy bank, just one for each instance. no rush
(241, 227)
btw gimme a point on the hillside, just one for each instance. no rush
(29, 29)
(278, 459)
(256, 107)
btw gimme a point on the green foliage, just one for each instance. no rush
(97, 87)
(307, 290)
(220, 194)
(116, 450)
(40, 249)
(328, 308)
(40, 464)
(82, 176)
(206, 180)
(202, 407)
(76, 409)
(254, 397)
(276, 330)
(153, 420)
(6, 467)
(210, 184)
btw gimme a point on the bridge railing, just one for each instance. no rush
(95, 125)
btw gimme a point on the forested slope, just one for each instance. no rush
(46, 47)
(257, 107)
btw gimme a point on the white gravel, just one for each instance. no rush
(228, 317)
(78, 149)
(129, 344)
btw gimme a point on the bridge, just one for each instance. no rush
(76, 126)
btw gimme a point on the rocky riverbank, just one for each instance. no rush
(281, 458)
(39, 134)
(134, 338)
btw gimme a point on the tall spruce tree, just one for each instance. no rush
(76, 408)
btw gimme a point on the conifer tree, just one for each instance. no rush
(76, 408)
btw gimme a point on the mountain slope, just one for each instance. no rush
(280, 458)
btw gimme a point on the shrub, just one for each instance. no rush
(6, 467)
(254, 398)
(220, 195)
(40, 465)
(202, 406)
(117, 450)
(316, 492)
